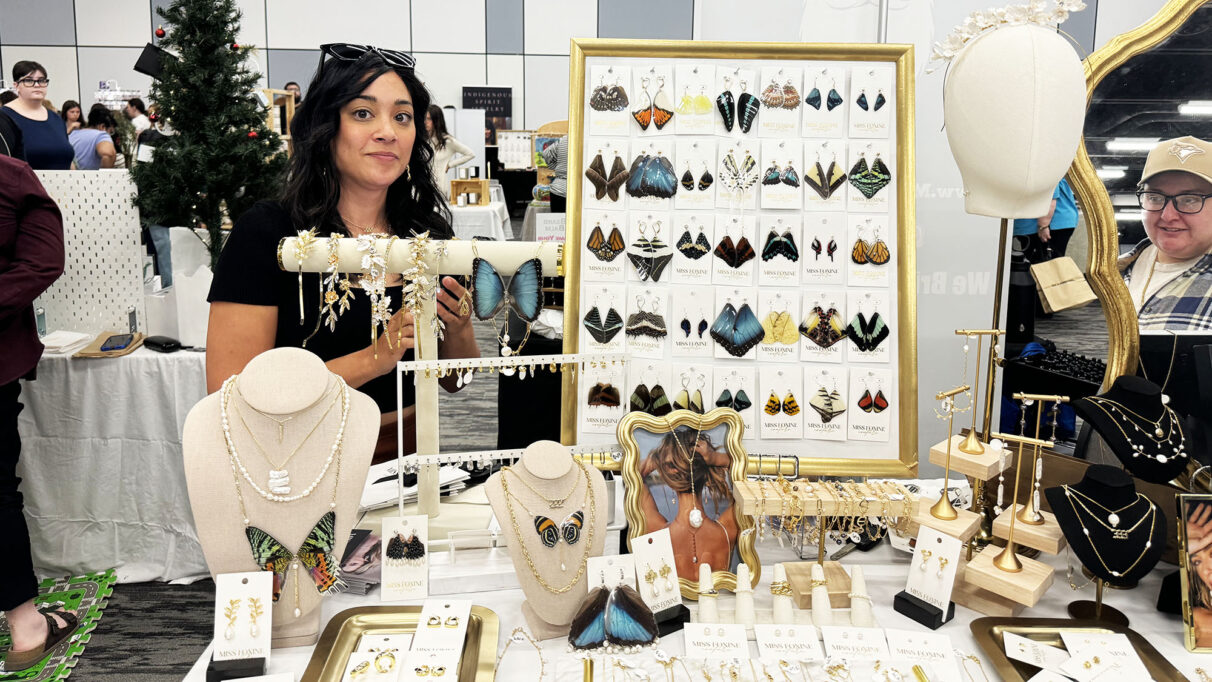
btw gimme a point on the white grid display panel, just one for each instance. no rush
(102, 277)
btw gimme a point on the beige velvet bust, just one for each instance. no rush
(550, 469)
(1013, 106)
(281, 382)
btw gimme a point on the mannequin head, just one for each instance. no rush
(1177, 178)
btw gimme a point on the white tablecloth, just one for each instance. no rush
(101, 465)
(482, 221)
(885, 571)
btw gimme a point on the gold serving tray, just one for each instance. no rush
(988, 633)
(345, 630)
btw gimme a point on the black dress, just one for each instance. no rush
(248, 272)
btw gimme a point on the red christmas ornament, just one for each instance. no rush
(252, 133)
(235, 46)
(160, 32)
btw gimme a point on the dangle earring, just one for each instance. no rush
(814, 96)
(688, 178)
(666, 570)
(705, 179)
(254, 612)
(862, 100)
(879, 100)
(650, 577)
(231, 612)
(832, 248)
(834, 100)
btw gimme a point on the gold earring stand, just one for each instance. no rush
(1085, 609)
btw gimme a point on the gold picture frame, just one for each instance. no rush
(905, 447)
(1195, 526)
(650, 460)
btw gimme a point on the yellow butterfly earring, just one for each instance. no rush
(773, 405)
(686, 104)
(702, 103)
(790, 407)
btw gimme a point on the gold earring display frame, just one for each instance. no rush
(897, 454)
(1123, 334)
(674, 468)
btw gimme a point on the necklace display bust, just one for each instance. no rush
(1117, 533)
(553, 510)
(1145, 434)
(285, 392)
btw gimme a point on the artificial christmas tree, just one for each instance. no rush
(221, 156)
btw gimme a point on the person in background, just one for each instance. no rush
(72, 115)
(43, 133)
(1048, 237)
(11, 142)
(293, 87)
(136, 111)
(31, 259)
(94, 145)
(556, 157)
(1169, 273)
(447, 151)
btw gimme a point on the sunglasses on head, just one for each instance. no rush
(350, 52)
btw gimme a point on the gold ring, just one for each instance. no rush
(421, 671)
(360, 669)
(434, 622)
(452, 622)
(385, 661)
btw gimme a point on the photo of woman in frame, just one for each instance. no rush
(687, 488)
(1197, 570)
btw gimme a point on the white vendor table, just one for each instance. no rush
(490, 221)
(101, 465)
(885, 571)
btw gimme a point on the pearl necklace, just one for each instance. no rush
(1161, 438)
(238, 465)
(1150, 514)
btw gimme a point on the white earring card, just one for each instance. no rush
(763, 184)
(405, 542)
(932, 571)
(243, 612)
(655, 569)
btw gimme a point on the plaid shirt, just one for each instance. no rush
(1182, 304)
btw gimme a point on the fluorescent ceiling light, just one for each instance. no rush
(1128, 216)
(1115, 168)
(1110, 173)
(1124, 200)
(1196, 107)
(1132, 144)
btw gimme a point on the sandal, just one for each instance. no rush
(20, 660)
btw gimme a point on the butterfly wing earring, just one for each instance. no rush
(747, 109)
(879, 101)
(862, 100)
(834, 99)
(597, 176)
(814, 98)
(726, 105)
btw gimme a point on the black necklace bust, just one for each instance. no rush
(1145, 434)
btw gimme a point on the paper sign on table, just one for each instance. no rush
(854, 643)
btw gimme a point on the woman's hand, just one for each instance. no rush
(397, 339)
(1199, 528)
(1045, 234)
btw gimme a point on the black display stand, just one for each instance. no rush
(926, 614)
(1144, 398)
(672, 619)
(219, 671)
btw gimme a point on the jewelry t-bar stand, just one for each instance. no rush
(452, 257)
(943, 509)
(1084, 609)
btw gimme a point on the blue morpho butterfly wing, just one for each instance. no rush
(588, 629)
(526, 290)
(721, 329)
(813, 99)
(488, 292)
(629, 622)
(661, 179)
(834, 100)
(635, 179)
(746, 333)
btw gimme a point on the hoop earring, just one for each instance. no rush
(408, 172)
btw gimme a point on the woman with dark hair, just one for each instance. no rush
(359, 168)
(73, 117)
(43, 133)
(94, 145)
(447, 151)
(688, 468)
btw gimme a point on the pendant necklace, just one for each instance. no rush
(238, 465)
(279, 477)
(1163, 439)
(551, 530)
(534, 571)
(552, 503)
(1149, 515)
(1113, 519)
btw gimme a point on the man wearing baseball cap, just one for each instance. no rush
(1169, 274)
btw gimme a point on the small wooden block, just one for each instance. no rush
(963, 527)
(799, 575)
(983, 466)
(981, 600)
(477, 185)
(1025, 587)
(1046, 537)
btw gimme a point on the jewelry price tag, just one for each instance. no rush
(243, 611)
(716, 640)
(405, 542)
(610, 571)
(654, 566)
(932, 572)
(925, 647)
(1117, 645)
(1033, 653)
(854, 643)
(787, 642)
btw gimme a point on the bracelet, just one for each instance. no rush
(780, 588)
(817, 582)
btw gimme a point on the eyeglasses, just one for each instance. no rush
(1183, 203)
(34, 82)
(350, 52)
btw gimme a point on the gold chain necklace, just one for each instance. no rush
(1112, 522)
(588, 541)
(1151, 514)
(555, 503)
(1145, 292)
(1178, 451)
(260, 449)
(1169, 370)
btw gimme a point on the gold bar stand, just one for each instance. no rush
(1096, 610)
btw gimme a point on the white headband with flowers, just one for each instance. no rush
(1041, 12)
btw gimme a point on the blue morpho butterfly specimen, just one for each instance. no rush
(737, 331)
(652, 176)
(524, 295)
(614, 619)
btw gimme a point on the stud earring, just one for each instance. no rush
(439, 671)
(254, 612)
(434, 622)
(385, 661)
(231, 612)
(666, 570)
(925, 559)
(421, 671)
(650, 577)
(1091, 663)
(452, 622)
(942, 566)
